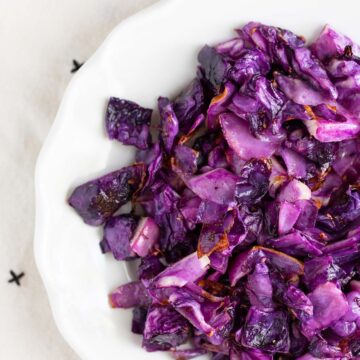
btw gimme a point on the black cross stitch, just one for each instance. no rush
(77, 66)
(15, 278)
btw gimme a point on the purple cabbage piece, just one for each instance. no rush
(346, 73)
(212, 317)
(259, 103)
(347, 160)
(235, 162)
(222, 322)
(191, 309)
(249, 63)
(161, 200)
(219, 262)
(179, 274)
(324, 122)
(129, 295)
(323, 194)
(238, 229)
(118, 232)
(253, 182)
(189, 105)
(128, 122)
(287, 265)
(199, 121)
(259, 288)
(240, 139)
(149, 267)
(350, 95)
(300, 91)
(169, 123)
(331, 44)
(333, 113)
(219, 105)
(147, 156)
(186, 159)
(342, 210)
(321, 349)
(277, 178)
(280, 284)
(271, 221)
(222, 236)
(162, 203)
(293, 191)
(265, 36)
(138, 320)
(96, 200)
(190, 207)
(322, 154)
(309, 67)
(344, 66)
(273, 41)
(308, 214)
(288, 216)
(353, 299)
(164, 329)
(329, 131)
(321, 270)
(232, 48)
(297, 244)
(253, 220)
(217, 158)
(145, 237)
(209, 212)
(175, 241)
(213, 64)
(344, 328)
(154, 160)
(345, 251)
(298, 303)
(329, 306)
(268, 331)
(216, 185)
(296, 165)
(196, 126)
(212, 238)
(245, 262)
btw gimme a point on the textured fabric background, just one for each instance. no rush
(38, 40)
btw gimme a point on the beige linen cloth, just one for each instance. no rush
(38, 41)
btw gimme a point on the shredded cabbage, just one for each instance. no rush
(246, 208)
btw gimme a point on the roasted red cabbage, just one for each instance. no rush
(246, 208)
(128, 122)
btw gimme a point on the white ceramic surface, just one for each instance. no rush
(152, 53)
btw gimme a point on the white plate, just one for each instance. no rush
(152, 53)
